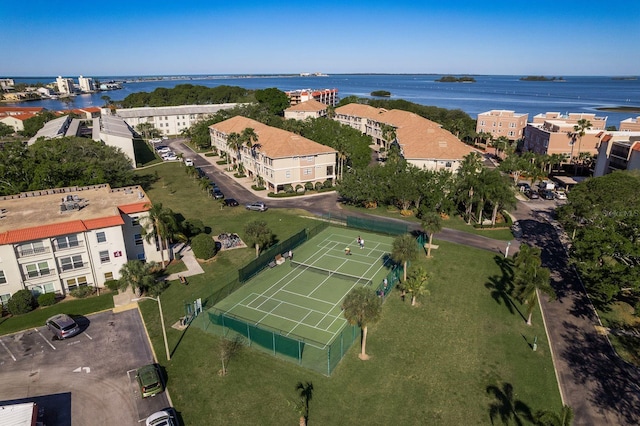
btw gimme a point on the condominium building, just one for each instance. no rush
(306, 109)
(502, 123)
(422, 142)
(558, 136)
(630, 125)
(618, 151)
(171, 120)
(278, 157)
(65, 85)
(6, 83)
(86, 84)
(325, 96)
(57, 240)
(597, 123)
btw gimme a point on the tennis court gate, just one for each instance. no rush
(322, 358)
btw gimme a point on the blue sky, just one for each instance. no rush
(553, 38)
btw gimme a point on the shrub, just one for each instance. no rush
(112, 285)
(203, 246)
(299, 188)
(47, 299)
(193, 227)
(308, 186)
(288, 188)
(318, 186)
(21, 302)
(258, 188)
(82, 292)
(327, 183)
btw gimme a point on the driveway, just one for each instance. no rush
(88, 379)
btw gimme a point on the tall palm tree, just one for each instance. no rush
(499, 194)
(416, 284)
(258, 234)
(581, 129)
(249, 138)
(159, 225)
(139, 275)
(530, 278)
(404, 250)
(431, 223)
(362, 307)
(234, 142)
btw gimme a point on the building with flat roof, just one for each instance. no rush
(422, 142)
(170, 120)
(502, 123)
(278, 157)
(559, 137)
(630, 124)
(65, 85)
(306, 109)
(597, 123)
(325, 96)
(56, 240)
(618, 151)
(114, 131)
(86, 84)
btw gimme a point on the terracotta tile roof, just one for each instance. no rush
(24, 116)
(310, 105)
(135, 208)
(8, 110)
(104, 222)
(40, 232)
(274, 142)
(607, 138)
(360, 110)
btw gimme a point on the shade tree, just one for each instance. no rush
(362, 307)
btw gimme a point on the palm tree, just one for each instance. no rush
(139, 275)
(250, 139)
(501, 144)
(416, 284)
(499, 194)
(579, 130)
(431, 223)
(362, 307)
(305, 394)
(234, 142)
(258, 234)
(404, 250)
(552, 418)
(530, 278)
(159, 225)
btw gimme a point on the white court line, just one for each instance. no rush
(7, 349)
(45, 339)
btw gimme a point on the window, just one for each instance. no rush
(141, 256)
(306, 171)
(135, 221)
(71, 262)
(138, 239)
(101, 236)
(329, 170)
(448, 164)
(74, 283)
(3, 279)
(108, 276)
(38, 269)
(287, 174)
(104, 256)
(29, 249)
(67, 242)
(4, 299)
(39, 289)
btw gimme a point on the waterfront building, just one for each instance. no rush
(16, 121)
(6, 84)
(171, 120)
(325, 96)
(86, 84)
(554, 133)
(422, 142)
(57, 240)
(66, 86)
(502, 123)
(306, 109)
(278, 157)
(618, 151)
(630, 124)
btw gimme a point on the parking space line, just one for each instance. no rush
(90, 338)
(45, 339)
(7, 349)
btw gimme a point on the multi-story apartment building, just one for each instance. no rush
(618, 151)
(554, 133)
(630, 125)
(502, 123)
(168, 120)
(422, 142)
(278, 157)
(65, 85)
(6, 83)
(56, 240)
(325, 96)
(306, 109)
(86, 84)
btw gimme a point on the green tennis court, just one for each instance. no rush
(301, 299)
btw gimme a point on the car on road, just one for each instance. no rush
(161, 418)
(257, 206)
(231, 202)
(188, 162)
(62, 326)
(532, 195)
(547, 194)
(201, 173)
(560, 195)
(149, 380)
(164, 138)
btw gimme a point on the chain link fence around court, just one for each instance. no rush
(379, 226)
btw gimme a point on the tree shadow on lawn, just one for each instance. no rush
(501, 286)
(506, 408)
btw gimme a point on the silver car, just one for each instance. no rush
(258, 206)
(62, 326)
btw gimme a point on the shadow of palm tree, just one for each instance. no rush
(506, 408)
(501, 286)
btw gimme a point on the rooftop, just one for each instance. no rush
(172, 110)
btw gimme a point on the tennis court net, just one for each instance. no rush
(348, 277)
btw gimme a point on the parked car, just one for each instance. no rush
(523, 186)
(200, 172)
(547, 194)
(62, 326)
(164, 138)
(155, 140)
(188, 162)
(560, 195)
(161, 418)
(231, 202)
(217, 194)
(161, 149)
(258, 206)
(532, 195)
(149, 380)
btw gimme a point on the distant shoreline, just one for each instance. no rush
(620, 109)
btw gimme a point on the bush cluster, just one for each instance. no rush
(21, 302)
(82, 292)
(203, 246)
(47, 299)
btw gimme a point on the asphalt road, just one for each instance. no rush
(88, 379)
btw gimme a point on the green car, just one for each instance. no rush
(149, 381)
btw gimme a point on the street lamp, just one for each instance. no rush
(164, 331)
(506, 252)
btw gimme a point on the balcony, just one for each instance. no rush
(70, 246)
(26, 252)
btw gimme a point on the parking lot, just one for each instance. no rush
(88, 379)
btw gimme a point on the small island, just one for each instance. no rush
(381, 93)
(541, 78)
(452, 79)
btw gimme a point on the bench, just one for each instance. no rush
(183, 280)
(279, 259)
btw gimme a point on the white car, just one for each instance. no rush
(161, 418)
(188, 162)
(163, 149)
(560, 195)
(155, 140)
(170, 157)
